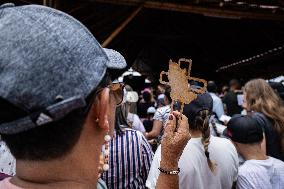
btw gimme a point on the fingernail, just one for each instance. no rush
(171, 117)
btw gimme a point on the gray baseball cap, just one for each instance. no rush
(46, 54)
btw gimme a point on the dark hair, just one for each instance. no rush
(278, 88)
(120, 121)
(225, 88)
(201, 123)
(168, 94)
(235, 82)
(212, 87)
(50, 141)
(146, 96)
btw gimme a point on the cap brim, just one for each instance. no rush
(116, 60)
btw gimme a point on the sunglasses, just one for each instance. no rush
(117, 91)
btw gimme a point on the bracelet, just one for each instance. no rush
(173, 172)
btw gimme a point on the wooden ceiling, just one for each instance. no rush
(236, 38)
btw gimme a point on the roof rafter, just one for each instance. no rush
(252, 59)
(197, 9)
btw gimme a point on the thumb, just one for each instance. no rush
(184, 126)
(171, 124)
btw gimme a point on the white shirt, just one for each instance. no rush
(195, 173)
(219, 127)
(135, 122)
(162, 114)
(261, 174)
(7, 160)
(217, 105)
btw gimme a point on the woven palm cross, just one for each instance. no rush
(178, 79)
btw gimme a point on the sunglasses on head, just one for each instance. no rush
(117, 90)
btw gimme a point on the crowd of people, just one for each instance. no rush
(66, 123)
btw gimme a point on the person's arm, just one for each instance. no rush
(168, 181)
(172, 145)
(154, 133)
(157, 125)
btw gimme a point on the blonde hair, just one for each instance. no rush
(202, 124)
(260, 97)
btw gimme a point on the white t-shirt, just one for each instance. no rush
(195, 173)
(162, 114)
(135, 122)
(7, 160)
(261, 174)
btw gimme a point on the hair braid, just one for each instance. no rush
(203, 119)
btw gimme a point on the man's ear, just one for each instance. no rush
(101, 109)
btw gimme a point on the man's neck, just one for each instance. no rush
(253, 152)
(61, 173)
(195, 134)
(77, 170)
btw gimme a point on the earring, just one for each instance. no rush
(97, 120)
(105, 150)
(101, 164)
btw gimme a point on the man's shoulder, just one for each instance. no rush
(248, 171)
(247, 177)
(251, 167)
(277, 163)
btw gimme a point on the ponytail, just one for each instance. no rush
(202, 123)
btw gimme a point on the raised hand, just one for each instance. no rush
(175, 139)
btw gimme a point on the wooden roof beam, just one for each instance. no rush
(197, 9)
(122, 26)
